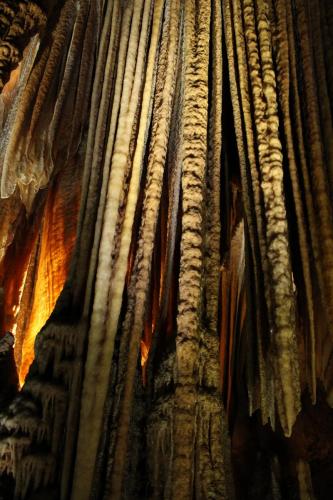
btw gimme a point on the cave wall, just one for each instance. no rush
(167, 227)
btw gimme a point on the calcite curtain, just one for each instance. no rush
(166, 258)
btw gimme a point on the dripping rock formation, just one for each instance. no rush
(166, 249)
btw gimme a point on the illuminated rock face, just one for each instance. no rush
(166, 247)
(56, 241)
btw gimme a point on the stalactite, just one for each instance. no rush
(196, 54)
(35, 471)
(144, 121)
(301, 152)
(12, 449)
(38, 429)
(272, 236)
(213, 231)
(72, 82)
(304, 481)
(252, 201)
(33, 150)
(132, 87)
(172, 199)
(297, 77)
(60, 196)
(270, 159)
(89, 214)
(326, 36)
(314, 22)
(139, 286)
(101, 93)
(245, 102)
(121, 260)
(318, 174)
(9, 117)
(284, 88)
(62, 37)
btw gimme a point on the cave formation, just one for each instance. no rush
(166, 256)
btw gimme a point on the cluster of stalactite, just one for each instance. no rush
(167, 179)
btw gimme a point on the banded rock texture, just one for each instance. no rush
(167, 228)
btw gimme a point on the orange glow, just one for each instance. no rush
(157, 291)
(233, 314)
(16, 258)
(57, 239)
(16, 308)
(56, 244)
(144, 359)
(34, 269)
(10, 85)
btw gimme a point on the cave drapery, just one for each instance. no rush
(166, 259)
